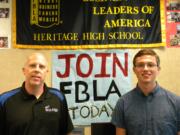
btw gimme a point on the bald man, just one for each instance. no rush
(34, 108)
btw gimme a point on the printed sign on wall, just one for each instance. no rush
(5, 23)
(173, 23)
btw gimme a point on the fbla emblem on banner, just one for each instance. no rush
(45, 13)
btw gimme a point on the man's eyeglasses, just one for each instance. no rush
(148, 65)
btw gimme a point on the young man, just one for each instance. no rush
(34, 108)
(148, 109)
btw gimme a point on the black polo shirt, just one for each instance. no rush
(23, 114)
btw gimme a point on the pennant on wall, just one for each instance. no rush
(65, 24)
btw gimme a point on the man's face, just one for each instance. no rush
(35, 70)
(146, 69)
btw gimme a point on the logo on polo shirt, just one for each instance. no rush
(48, 108)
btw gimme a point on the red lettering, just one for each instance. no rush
(118, 63)
(67, 58)
(101, 67)
(90, 66)
(103, 64)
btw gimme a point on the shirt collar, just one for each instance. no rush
(26, 95)
(154, 92)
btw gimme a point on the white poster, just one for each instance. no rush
(92, 82)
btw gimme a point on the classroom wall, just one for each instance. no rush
(12, 61)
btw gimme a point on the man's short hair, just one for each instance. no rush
(146, 52)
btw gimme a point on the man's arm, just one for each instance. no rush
(122, 131)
